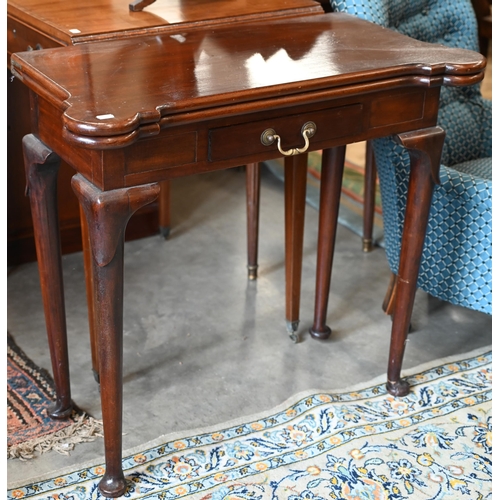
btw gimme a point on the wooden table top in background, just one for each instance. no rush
(77, 22)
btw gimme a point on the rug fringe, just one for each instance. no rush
(84, 430)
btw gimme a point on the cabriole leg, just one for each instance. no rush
(425, 147)
(107, 214)
(42, 167)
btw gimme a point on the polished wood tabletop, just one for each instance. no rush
(129, 114)
(113, 90)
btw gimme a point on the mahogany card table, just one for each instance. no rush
(129, 114)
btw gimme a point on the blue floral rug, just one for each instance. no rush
(361, 444)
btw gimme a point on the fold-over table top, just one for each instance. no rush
(112, 88)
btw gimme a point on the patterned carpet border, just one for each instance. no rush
(30, 392)
(362, 443)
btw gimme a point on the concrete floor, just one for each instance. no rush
(203, 345)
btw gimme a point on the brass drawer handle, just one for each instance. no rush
(269, 136)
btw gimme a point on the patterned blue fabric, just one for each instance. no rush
(457, 257)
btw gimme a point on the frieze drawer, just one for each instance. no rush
(246, 139)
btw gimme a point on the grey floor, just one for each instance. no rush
(203, 345)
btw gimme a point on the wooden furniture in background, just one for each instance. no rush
(125, 125)
(41, 24)
(483, 10)
(370, 183)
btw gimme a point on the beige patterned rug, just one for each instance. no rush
(358, 444)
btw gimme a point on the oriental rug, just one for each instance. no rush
(358, 444)
(30, 391)
(353, 182)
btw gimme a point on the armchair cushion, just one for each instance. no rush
(457, 256)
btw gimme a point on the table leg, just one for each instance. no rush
(89, 287)
(42, 166)
(295, 205)
(164, 208)
(388, 304)
(253, 201)
(369, 197)
(107, 214)
(332, 169)
(164, 224)
(424, 147)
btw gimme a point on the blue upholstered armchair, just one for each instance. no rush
(457, 258)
